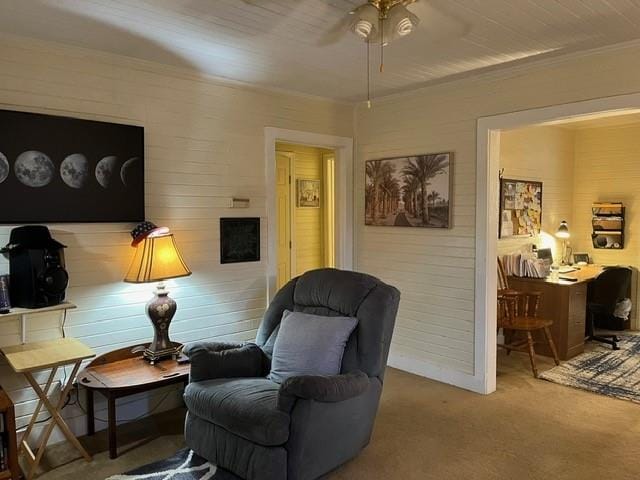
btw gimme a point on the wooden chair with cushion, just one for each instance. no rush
(518, 312)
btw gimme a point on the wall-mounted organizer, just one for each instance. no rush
(608, 225)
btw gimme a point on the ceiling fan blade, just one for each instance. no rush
(337, 31)
(437, 24)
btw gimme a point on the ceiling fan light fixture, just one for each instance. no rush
(401, 20)
(366, 21)
(382, 21)
(362, 28)
(404, 27)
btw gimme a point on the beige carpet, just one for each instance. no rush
(528, 430)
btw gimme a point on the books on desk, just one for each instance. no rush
(519, 265)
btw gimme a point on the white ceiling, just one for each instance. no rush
(285, 43)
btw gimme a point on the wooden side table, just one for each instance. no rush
(53, 354)
(122, 373)
(12, 470)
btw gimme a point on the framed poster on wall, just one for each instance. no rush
(59, 169)
(412, 191)
(520, 208)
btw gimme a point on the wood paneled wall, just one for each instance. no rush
(204, 143)
(435, 269)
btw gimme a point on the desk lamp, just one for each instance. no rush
(157, 259)
(563, 233)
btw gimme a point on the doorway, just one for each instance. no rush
(487, 190)
(339, 221)
(576, 247)
(305, 214)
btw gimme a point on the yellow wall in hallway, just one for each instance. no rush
(307, 222)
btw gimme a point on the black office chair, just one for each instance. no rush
(610, 287)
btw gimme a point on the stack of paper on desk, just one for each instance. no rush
(519, 265)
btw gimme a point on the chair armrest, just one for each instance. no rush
(197, 348)
(334, 388)
(211, 360)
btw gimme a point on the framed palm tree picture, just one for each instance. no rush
(412, 191)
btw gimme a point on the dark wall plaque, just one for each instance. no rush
(239, 240)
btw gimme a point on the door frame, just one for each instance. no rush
(328, 216)
(343, 148)
(487, 189)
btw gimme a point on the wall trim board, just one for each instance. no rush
(436, 372)
(487, 186)
(343, 147)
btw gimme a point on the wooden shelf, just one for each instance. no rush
(22, 313)
(8, 412)
(17, 312)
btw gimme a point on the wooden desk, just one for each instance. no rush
(122, 373)
(565, 303)
(31, 357)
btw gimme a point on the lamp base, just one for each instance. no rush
(160, 310)
(155, 356)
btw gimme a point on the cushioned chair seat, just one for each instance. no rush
(244, 406)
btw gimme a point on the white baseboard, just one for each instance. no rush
(437, 372)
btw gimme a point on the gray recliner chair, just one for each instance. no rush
(308, 425)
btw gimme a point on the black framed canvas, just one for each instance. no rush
(59, 169)
(520, 208)
(239, 240)
(411, 191)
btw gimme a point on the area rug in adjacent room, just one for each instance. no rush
(615, 373)
(184, 465)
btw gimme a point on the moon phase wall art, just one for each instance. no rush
(58, 169)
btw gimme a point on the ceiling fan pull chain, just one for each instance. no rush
(381, 45)
(368, 74)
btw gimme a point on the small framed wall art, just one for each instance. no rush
(308, 193)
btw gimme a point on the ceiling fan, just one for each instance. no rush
(383, 21)
(380, 22)
(394, 19)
